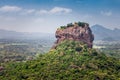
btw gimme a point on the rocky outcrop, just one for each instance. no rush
(78, 32)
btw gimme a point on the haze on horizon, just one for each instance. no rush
(47, 15)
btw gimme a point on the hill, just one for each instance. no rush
(102, 33)
(71, 60)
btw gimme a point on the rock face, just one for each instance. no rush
(78, 32)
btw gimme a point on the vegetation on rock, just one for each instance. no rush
(80, 24)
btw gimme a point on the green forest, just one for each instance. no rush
(71, 60)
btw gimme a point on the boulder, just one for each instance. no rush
(76, 32)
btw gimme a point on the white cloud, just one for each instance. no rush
(30, 11)
(60, 10)
(42, 12)
(22, 11)
(55, 10)
(106, 13)
(8, 8)
(27, 11)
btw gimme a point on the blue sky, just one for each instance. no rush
(47, 15)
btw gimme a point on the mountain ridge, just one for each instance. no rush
(9, 34)
(102, 33)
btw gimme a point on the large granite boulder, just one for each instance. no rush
(78, 32)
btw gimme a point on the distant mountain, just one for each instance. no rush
(102, 33)
(6, 34)
(10, 34)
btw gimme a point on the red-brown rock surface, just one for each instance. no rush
(75, 32)
(1, 68)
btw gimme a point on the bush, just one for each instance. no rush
(81, 24)
(78, 49)
(62, 27)
(70, 25)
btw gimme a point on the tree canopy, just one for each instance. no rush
(71, 60)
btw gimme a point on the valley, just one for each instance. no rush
(22, 50)
(110, 48)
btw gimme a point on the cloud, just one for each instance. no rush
(30, 11)
(60, 10)
(8, 8)
(42, 12)
(55, 10)
(106, 13)
(27, 11)
(23, 11)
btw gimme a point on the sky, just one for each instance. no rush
(47, 15)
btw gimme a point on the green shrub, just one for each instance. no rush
(81, 24)
(70, 25)
(62, 27)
